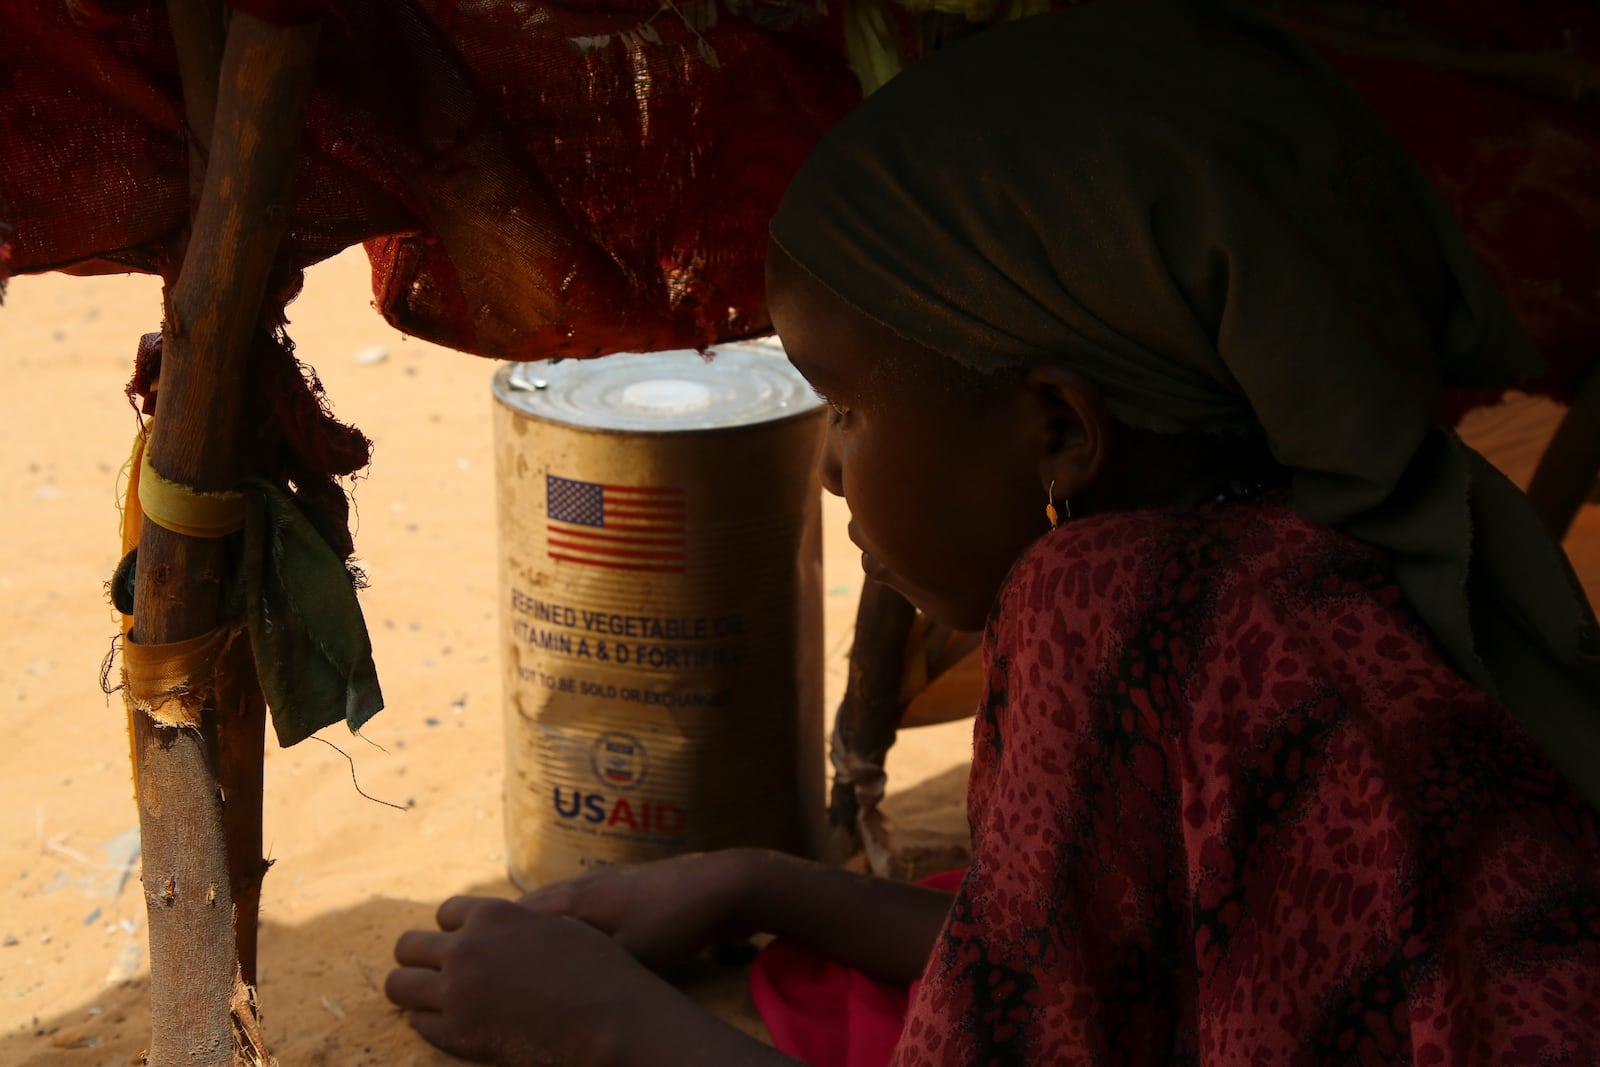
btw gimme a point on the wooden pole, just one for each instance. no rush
(199, 31)
(241, 748)
(869, 714)
(212, 315)
(1566, 474)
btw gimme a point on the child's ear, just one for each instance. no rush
(1073, 429)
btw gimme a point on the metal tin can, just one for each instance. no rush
(660, 606)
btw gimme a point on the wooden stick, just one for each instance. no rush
(212, 315)
(869, 714)
(199, 30)
(241, 746)
(1571, 462)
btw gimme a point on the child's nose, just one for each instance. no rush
(831, 470)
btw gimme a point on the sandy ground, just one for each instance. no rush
(350, 874)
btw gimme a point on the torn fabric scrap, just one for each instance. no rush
(172, 682)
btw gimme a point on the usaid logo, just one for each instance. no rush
(618, 761)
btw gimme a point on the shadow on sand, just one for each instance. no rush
(321, 997)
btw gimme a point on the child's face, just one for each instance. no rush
(939, 468)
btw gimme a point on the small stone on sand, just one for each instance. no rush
(369, 357)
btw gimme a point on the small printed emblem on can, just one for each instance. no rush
(619, 760)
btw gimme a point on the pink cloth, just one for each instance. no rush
(827, 1014)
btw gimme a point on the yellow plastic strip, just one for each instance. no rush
(131, 514)
(184, 510)
(171, 683)
(128, 532)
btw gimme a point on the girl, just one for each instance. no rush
(1133, 321)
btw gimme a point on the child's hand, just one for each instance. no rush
(663, 913)
(503, 984)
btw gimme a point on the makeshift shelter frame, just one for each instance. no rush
(200, 782)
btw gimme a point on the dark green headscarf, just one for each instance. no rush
(1178, 200)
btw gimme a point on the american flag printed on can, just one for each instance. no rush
(617, 527)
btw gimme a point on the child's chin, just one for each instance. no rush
(970, 617)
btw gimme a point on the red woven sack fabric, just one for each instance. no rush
(542, 179)
(534, 180)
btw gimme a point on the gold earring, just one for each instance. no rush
(1050, 506)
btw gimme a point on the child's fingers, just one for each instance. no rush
(558, 899)
(438, 1032)
(416, 988)
(454, 912)
(421, 948)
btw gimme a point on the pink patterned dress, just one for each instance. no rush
(1230, 807)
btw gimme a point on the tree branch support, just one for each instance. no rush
(193, 783)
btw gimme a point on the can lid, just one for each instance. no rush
(738, 385)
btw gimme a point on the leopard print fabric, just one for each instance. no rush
(1230, 807)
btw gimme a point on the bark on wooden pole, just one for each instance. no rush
(212, 315)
